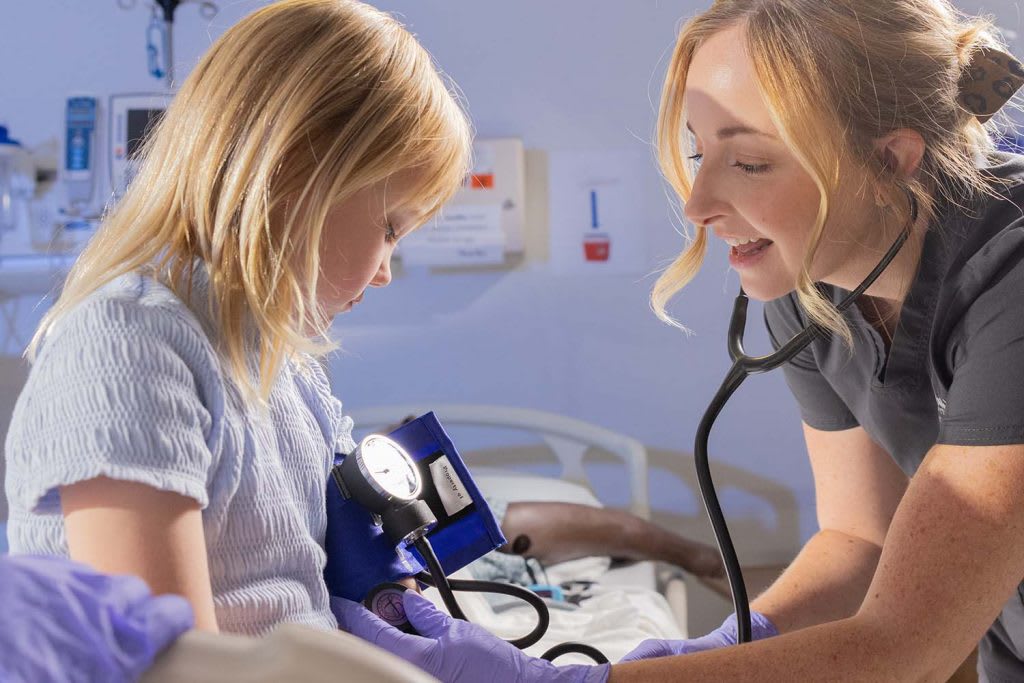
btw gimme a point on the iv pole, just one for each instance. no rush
(168, 7)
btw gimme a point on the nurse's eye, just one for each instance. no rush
(697, 158)
(752, 169)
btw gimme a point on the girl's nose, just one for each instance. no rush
(383, 276)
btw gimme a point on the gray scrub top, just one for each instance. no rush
(954, 373)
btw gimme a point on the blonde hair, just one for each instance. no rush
(835, 76)
(295, 108)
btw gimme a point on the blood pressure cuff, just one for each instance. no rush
(466, 528)
(359, 554)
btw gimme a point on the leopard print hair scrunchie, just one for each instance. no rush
(989, 82)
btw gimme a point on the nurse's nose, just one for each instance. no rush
(704, 207)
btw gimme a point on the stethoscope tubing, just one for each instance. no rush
(743, 366)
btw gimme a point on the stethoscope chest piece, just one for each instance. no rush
(385, 600)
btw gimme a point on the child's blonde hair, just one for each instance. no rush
(835, 76)
(292, 110)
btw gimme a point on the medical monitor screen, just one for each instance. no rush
(140, 122)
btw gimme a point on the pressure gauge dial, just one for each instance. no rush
(380, 473)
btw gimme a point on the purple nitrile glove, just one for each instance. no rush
(63, 621)
(453, 650)
(723, 636)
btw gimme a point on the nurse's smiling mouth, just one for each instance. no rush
(745, 252)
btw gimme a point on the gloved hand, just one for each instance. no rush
(724, 636)
(453, 650)
(62, 621)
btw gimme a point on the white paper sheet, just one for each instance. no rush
(465, 234)
(598, 210)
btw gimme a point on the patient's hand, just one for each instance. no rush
(557, 532)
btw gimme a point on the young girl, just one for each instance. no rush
(812, 129)
(176, 424)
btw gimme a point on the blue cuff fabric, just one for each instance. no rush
(359, 554)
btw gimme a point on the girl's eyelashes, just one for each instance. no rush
(390, 235)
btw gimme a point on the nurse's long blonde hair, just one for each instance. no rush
(295, 108)
(836, 75)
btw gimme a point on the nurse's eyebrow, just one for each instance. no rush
(733, 131)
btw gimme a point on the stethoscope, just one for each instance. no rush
(744, 365)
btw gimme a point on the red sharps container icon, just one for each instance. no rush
(596, 247)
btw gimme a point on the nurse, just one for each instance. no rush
(803, 133)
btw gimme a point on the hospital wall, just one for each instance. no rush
(573, 79)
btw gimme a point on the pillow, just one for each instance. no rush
(515, 486)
